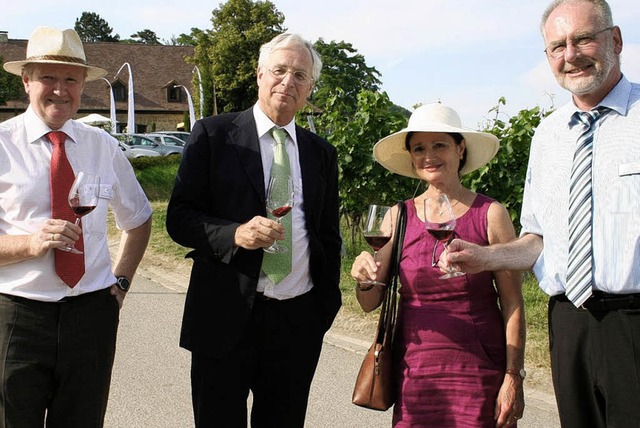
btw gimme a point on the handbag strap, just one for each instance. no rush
(389, 310)
(396, 251)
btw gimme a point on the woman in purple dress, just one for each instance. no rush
(460, 341)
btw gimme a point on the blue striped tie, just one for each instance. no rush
(580, 266)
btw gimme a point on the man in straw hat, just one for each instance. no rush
(444, 378)
(59, 307)
(581, 220)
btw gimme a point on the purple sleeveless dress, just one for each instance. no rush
(450, 338)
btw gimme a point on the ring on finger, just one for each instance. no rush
(52, 237)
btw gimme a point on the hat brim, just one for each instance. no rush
(93, 73)
(391, 153)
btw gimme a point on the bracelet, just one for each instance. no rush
(366, 288)
(520, 373)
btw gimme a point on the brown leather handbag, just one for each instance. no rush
(375, 385)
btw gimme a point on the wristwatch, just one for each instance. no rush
(522, 373)
(123, 283)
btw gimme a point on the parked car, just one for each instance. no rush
(184, 136)
(166, 139)
(134, 152)
(147, 141)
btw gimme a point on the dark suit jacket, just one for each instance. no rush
(219, 186)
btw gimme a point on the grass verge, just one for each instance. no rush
(156, 176)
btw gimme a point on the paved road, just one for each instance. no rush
(150, 387)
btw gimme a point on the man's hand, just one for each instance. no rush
(259, 232)
(53, 233)
(119, 295)
(464, 256)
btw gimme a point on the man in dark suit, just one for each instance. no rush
(245, 331)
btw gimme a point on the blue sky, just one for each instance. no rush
(464, 53)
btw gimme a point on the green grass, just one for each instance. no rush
(536, 303)
(156, 176)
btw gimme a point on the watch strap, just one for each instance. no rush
(123, 283)
(520, 373)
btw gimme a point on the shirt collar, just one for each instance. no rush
(37, 129)
(618, 98)
(264, 124)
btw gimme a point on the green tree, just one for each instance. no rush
(92, 28)
(185, 39)
(10, 85)
(145, 37)
(345, 69)
(362, 180)
(503, 178)
(240, 27)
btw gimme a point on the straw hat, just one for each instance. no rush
(392, 154)
(49, 45)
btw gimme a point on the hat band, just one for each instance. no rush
(57, 58)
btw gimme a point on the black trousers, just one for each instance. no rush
(56, 360)
(275, 359)
(595, 362)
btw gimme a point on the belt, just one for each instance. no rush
(605, 302)
(84, 296)
(260, 296)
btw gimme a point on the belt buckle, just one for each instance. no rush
(583, 306)
(260, 295)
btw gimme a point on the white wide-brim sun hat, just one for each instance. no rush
(391, 153)
(49, 45)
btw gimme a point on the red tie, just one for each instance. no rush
(69, 266)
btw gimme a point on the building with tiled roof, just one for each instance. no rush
(156, 70)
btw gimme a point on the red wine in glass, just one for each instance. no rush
(377, 241)
(440, 222)
(279, 203)
(442, 235)
(377, 232)
(281, 211)
(83, 198)
(81, 211)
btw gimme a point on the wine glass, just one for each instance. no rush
(279, 203)
(377, 232)
(83, 198)
(440, 222)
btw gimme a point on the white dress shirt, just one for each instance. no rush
(25, 156)
(298, 281)
(616, 194)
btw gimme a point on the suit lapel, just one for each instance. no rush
(245, 138)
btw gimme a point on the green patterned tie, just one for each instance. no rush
(278, 266)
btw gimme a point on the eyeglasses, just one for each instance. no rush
(299, 76)
(557, 50)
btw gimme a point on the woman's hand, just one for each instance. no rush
(364, 268)
(510, 402)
